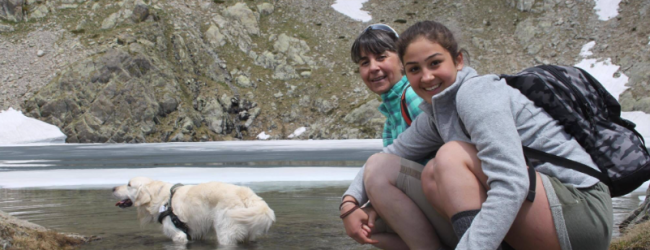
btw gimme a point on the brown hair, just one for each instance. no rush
(434, 32)
(373, 41)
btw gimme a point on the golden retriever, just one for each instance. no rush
(234, 213)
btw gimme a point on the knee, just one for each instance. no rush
(373, 165)
(447, 161)
(375, 173)
(428, 177)
(451, 154)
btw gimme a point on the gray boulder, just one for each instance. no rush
(521, 5)
(12, 10)
(140, 13)
(245, 16)
(265, 8)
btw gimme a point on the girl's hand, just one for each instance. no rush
(356, 225)
(372, 216)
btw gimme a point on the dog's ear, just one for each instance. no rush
(143, 196)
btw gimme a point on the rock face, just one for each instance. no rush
(11, 10)
(131, 93)
(158, 71)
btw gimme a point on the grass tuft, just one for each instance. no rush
(635, 238)
(45, 240)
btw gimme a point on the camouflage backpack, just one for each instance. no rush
(593, 117)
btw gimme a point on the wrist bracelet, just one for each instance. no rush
(348, 201)
(349, 212)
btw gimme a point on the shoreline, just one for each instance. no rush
(21, 234)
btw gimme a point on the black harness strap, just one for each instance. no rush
(170, 212)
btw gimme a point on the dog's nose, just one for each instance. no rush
(114, 189)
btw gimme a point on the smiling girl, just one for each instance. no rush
(394, 182)
(478, 179)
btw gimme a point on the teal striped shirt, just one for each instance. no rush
(390, 107)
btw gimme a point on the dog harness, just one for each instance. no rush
(169, 212)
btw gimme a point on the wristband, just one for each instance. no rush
(349, 212)
(348, 201)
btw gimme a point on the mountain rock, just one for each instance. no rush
(11, 10)
(158, 71)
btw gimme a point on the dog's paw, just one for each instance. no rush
(180, 238)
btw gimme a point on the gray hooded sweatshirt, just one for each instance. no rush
(499, 120)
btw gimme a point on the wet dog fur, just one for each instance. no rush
(234, 213)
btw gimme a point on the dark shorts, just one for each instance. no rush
(583, 217)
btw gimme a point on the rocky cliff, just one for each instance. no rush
(203, 70)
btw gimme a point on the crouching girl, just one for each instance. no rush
(479, 177)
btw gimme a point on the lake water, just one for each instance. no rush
(67, 187)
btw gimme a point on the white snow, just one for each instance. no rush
(586, 49)
(606, 9)
(604, 70)
(17, 128)
(352, 8)
(263, 136)
(642, 121)
(112, 177)
(297, 132)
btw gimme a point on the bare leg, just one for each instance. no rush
(395, 207)
(389, 241)
(454, 182)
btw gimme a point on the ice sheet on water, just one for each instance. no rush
(63, 178)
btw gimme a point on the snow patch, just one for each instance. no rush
(586, 49)
(642, 121)
(606, 9)
(17, 128)
(263, 136)
(604, 71)
(352, 8)
(297, 132)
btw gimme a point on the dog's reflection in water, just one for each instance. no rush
(205, 245)
(181, 246)
(235, 214)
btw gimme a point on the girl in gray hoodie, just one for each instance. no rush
(478, 179)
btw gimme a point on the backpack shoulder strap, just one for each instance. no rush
(564, 162)
(404, 107)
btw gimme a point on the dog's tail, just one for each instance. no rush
(256, 214)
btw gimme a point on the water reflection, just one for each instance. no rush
(306, 217)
